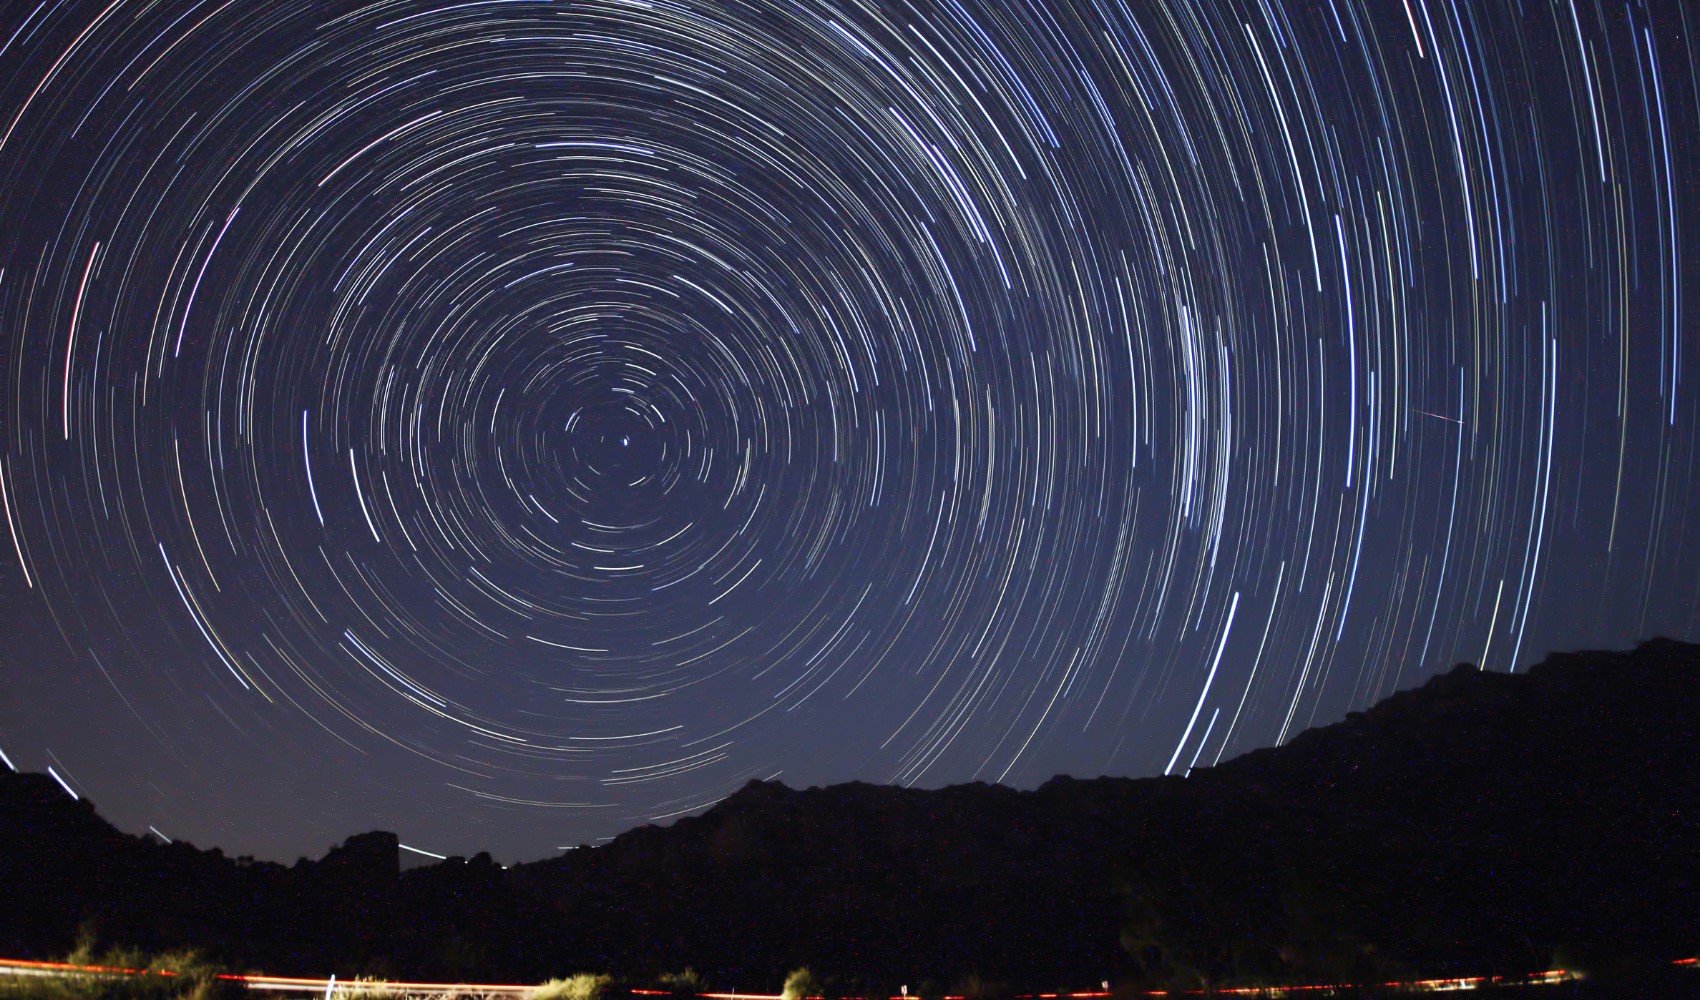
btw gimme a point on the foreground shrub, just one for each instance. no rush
(362, 988)
(584, 986)
(681, 982)
(801, 983)
(178, 975)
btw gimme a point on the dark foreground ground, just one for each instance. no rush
(1480, 824)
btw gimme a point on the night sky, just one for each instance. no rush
(510, 422)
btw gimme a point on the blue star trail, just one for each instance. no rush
(509, 422)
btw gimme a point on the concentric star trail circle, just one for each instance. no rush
(511, 421)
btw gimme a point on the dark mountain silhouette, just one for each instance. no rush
(1480, 823)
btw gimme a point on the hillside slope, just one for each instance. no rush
(1481, 821)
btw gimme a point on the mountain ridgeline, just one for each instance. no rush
(1479, 823)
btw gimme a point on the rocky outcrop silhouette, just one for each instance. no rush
(1479, 823)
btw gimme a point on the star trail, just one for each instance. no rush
(507, 422)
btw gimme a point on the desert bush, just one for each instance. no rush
(584, 986)
(363, 988)
(191, 974)
(801, 983)
(180, 975)
(681, 982)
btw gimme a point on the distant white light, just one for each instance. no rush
(7, 761)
